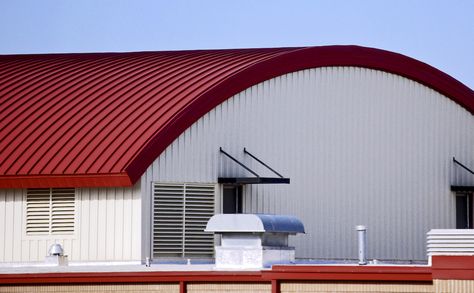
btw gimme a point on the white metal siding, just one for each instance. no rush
(107, 227)
(360, 146)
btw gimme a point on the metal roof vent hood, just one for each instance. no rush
(56, 256)
(253, 241)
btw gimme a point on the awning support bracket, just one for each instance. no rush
(258, 160)
(252, 180)
(238, 162)
(463, 166)
(462, 188)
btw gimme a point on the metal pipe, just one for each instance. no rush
(362, 239)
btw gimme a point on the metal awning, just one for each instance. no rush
(462, 188)
(252, 180)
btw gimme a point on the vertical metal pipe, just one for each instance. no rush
(362, 239)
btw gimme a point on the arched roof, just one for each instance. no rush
(101, 119)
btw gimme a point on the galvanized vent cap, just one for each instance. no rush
(56, 249)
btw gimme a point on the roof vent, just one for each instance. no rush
(56, 256)
(253, 241)
(56, 249)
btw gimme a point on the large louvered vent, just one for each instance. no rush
(168, 217)
(50, 211)
(180, 215)
(199, 209)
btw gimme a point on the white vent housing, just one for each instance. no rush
(254, 241)
(450, 242)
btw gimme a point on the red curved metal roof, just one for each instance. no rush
(101, 119)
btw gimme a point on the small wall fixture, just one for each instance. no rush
(56, 256)
(56, 249)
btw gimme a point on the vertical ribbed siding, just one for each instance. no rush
(458, 286)
(228, 287)
(107, 227)
(110, 224)
(95, 288)
(361, 146)
(353, 287)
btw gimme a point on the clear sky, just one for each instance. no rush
(440, 33)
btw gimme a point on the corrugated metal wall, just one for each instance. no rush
(94, 288)
(360, 146)
(458, 286)
(107, 227)
(229, 287)
(353, 287)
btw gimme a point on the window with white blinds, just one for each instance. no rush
(180, 215)
(50, 211)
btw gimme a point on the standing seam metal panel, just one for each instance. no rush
(361, 146)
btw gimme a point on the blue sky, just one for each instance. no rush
(440, 33)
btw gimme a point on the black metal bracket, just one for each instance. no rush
(258, 160)
(462, 165)
(462, 188)
(238, 162)
(251, 180)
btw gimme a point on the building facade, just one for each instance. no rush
(118, 156)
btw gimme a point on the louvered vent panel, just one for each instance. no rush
(450, 242)
(37, 211)
(199, 208)
(168, 215)
(62, 210)
(50, 211)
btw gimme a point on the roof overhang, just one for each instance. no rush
(107, 180)
(121, 161)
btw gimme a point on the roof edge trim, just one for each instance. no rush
(47, 181)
